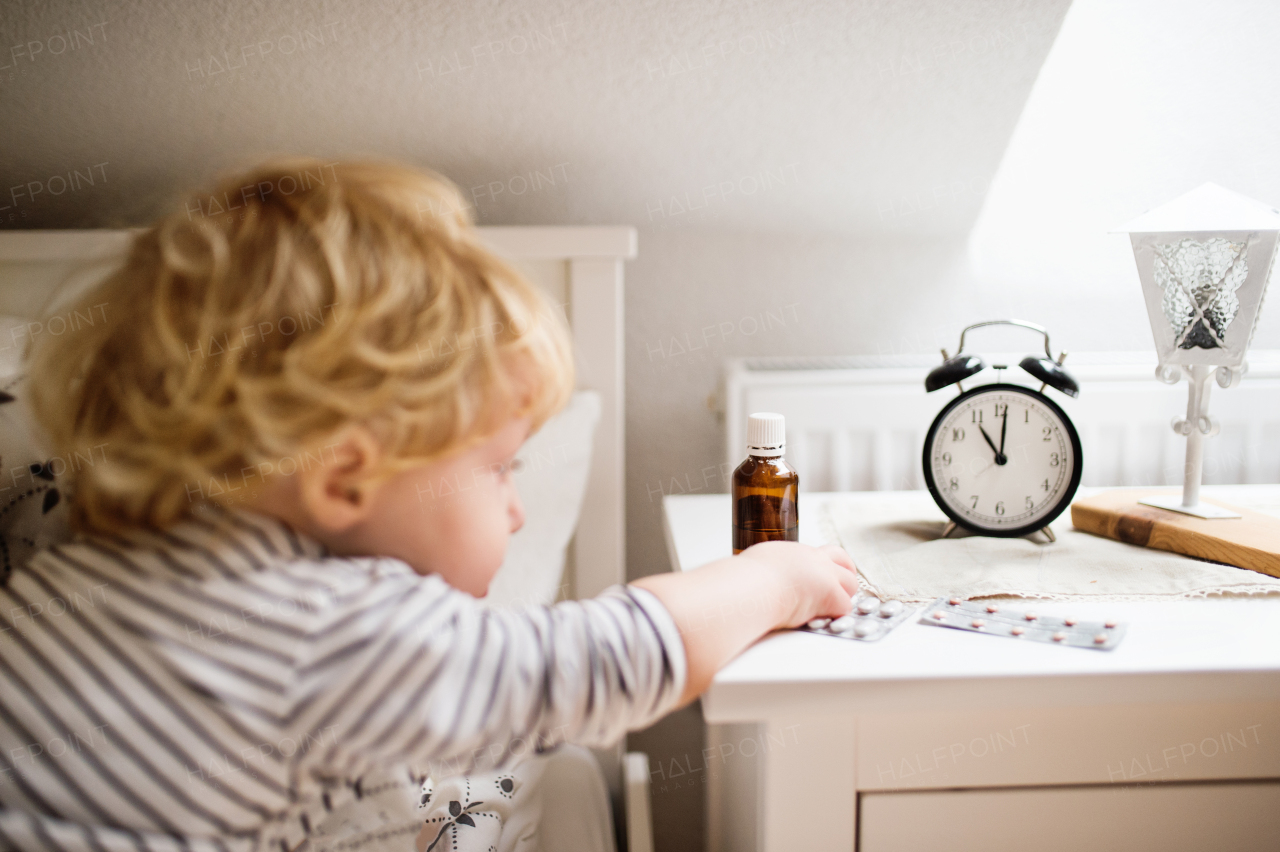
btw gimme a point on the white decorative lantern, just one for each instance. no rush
(1204, 260)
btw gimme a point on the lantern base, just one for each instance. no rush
(1173, 503)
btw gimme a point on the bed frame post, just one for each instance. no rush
(596, 309)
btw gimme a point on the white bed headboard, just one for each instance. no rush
(581, 268)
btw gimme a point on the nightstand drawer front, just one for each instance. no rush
(1120, 745)
(1224, 817)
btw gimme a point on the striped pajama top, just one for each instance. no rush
(218, 685)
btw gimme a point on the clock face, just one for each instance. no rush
(1002, 460)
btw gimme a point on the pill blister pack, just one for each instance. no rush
(870, 619)
(995, 619)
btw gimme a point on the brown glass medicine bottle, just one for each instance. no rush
(765, 489)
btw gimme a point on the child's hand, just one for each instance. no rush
(724, 606)
(821, 580)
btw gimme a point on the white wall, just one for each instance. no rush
(1137, 103)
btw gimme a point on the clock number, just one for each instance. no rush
(974, 498)
(1054, 461)
(1045, 485)
(955, 484)
(977, 415)
(957, 434)
(1000, 508)
(946, 458)
(1031, 504)
(1002, 410)
(1026, 416)
(1047, 432)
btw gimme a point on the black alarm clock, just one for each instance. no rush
(1002, 459)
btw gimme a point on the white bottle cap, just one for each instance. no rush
(766, 434)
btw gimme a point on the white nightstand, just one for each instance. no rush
(942, 739)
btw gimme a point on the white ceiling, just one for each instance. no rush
(853, 117)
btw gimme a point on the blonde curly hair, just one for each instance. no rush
(272, 311)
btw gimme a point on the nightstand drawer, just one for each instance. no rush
(1225, 817)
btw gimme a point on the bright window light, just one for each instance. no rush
(1137, 103)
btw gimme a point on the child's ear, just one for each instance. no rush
(338, 493)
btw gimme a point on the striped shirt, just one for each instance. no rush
(218, 685)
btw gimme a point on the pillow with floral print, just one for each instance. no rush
(33, 504)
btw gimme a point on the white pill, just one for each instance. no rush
(867, 605)
(841, 624)
(889, 609)
(864, 629)
(819, 623)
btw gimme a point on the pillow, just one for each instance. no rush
(33, 508)
(13, 338)
(551, 481)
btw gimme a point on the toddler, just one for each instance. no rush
(284, 608)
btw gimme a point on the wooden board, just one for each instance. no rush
(1251, 541)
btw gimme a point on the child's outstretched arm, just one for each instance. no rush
(724, 606)
(408, 669)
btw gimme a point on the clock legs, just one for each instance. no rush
(951, 527)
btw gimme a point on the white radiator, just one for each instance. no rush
(858, 424)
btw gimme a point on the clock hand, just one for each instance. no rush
(1004, 427)
(1000, 457)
